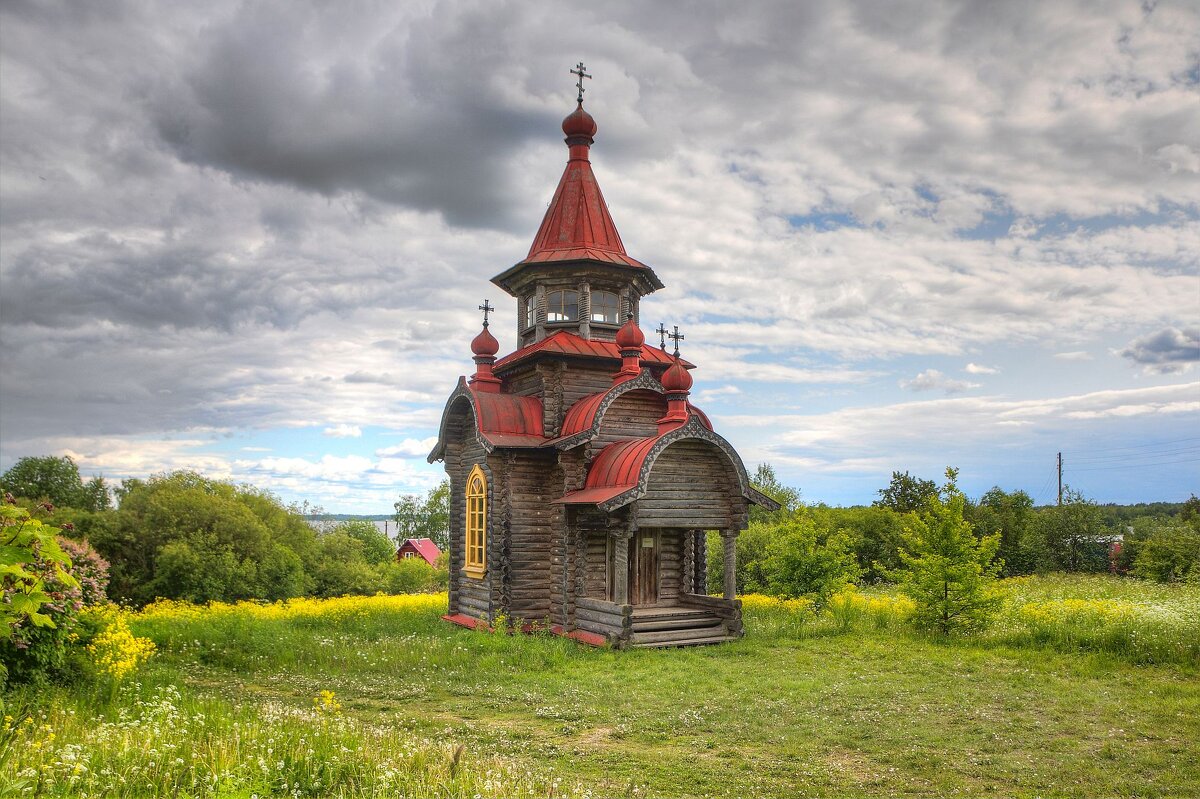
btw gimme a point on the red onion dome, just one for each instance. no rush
(630, 336)
(676, 380)
(485, 343)
(579, 123)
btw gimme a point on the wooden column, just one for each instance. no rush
(700, 561)
(729, 540)
(620, 539)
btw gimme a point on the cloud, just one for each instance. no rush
(343, 431)
(1074, 355)
(933, 380)
(1168, 351)
(204, 233)
(408, 448)
(976, 369)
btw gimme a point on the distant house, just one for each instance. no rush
(418, 548)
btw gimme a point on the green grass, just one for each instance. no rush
(797, 707)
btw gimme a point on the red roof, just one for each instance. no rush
(507, 420)
(565, 342)
(614, 471)
(577, 225)
(422, 546)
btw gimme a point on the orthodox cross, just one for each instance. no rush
(487, 309)
(662, 337)
(579, 70)
(676, 337)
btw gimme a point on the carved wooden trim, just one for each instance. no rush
(461, 392)
(692, 430)
(645, 381)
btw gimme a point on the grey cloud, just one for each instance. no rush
(1169, 350)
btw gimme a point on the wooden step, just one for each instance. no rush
(701, 621)
(702, 641)
(670, 636)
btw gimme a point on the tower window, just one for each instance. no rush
(562, 306)
(605, 307)
(475, 562)
(530, 311)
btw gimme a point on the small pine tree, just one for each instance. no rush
(946, 570)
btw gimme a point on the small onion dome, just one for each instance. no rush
(630, 336)
(485, 343)
(579, 123)
(676, 380)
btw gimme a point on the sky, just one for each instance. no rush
(249, 238)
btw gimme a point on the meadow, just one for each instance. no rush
(1084, 686)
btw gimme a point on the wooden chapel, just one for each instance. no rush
(582, 479)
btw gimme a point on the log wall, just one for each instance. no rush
(690, 485)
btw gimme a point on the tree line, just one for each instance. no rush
(814, 550)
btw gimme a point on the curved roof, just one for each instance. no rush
(501, 420)
(619, 473)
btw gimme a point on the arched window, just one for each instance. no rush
(475, 563)
(605, 307)
(562, 306)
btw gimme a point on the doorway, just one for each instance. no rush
(643, 567)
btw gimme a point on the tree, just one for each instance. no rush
(427, 517)
(906, 493)
(377, 547)
(1072, 534)
(799, 564)
(1165, 549)
(946, 570)
(765, 481)
(1011, 516)
(57, 480)
(183, 536)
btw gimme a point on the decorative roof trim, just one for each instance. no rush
(461, 392)
(645, 381)
(693, 430)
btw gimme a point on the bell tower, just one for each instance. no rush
(577, 275)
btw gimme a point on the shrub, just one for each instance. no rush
(948, 572)
(798, 564)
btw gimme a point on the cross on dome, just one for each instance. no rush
(582, 73)
(676, 337)
(662, 336)
(487, 308)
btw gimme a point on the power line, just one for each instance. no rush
(1121, 466)
(1188, 450)
(1171, 443)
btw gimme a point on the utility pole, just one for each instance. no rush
(1060, 478)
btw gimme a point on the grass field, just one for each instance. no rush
(1086, 687)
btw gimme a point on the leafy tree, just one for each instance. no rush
(906, 494)
(1011, 516)
(764, 480)
(947, 571)
(799, 564)
(377, 547)
(425, 517)
(183, 536)
(1165, 549)
(1072, 534)
(57, 480)
(873, 535)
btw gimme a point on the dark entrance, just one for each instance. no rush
(643, 567)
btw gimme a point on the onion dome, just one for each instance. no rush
(579, 123)
(630, 336)
(676, 380)
(485, 344)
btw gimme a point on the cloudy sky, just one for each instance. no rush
(249, 238)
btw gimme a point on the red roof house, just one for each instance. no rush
(419, 548)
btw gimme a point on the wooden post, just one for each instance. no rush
(620, 542)
(729, 540)
(700, 561)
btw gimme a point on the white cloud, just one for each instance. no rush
(408, 448)
(977, 369)
(1074, 355)
(1168, 351)
(933, 380)
(343, 431)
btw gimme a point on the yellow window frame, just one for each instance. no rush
(475, 541)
